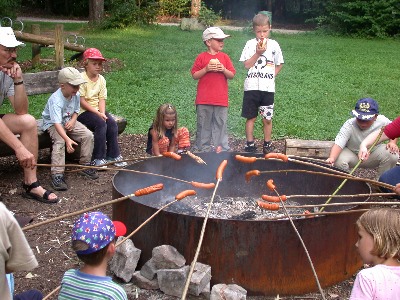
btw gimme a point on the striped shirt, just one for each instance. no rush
(82, 286)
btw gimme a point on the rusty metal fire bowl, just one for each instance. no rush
(265, 257)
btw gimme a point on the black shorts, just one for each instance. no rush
(252, 100)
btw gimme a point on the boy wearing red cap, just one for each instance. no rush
(93, 240)
(93, 112)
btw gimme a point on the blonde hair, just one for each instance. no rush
(261, 20)
(158, 123)
(383, 225)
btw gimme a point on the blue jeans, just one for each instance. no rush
(29, 295)
(391, 177)
(105, 134)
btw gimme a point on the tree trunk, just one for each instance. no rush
(195, 8)
(96, 11)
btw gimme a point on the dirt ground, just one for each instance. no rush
(50, 242)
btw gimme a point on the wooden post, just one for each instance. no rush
(59, 45)
(35, 47)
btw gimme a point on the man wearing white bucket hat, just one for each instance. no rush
(19, 122)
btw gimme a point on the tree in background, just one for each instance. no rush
(96, 11)
(195, 8)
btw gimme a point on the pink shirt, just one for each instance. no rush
(379, 283)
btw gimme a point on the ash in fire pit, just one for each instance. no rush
(234, 208)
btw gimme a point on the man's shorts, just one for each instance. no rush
(258, 102)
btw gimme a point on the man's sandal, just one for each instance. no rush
(29, 195)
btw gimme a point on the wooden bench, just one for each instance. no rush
(43, 83)
(308, 148)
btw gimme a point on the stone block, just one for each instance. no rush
(200, 278)
(172, 281)
(149, 269)
(167, 257)
(144, 283)
(228, 292)
(125, 260)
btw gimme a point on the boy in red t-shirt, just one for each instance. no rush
(212, 68)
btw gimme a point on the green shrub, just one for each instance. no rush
(207, 16)
(376, 18)
(174, 8)
(125, 13)
(8, 8)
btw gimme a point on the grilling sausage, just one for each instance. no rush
(273, 198)
(203, 185)
(280, 156)
(221, 169)
(184, 194)
(172, 155)
(149, 189)
(251, 173)
(245, 159)
(269, 206)
(270, 185)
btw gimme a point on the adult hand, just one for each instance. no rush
(25, 158)
(12, 69)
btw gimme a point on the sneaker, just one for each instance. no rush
(250, 147)
(118, 161)
(58, 182)
(268, 148)
(90, 173)
(99, 163)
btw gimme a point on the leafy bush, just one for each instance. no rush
(174, 8)
(207, 16)
(8, 8)
(361, 18)
(125, 13)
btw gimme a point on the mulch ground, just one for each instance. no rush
(50, 242)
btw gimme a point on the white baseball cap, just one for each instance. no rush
(70, 75)
(214, 33)
(7, 38)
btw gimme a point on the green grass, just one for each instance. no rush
(321, 80)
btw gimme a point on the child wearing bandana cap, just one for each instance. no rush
(93, 240)
(366, 119)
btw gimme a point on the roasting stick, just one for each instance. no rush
(272, 187)
(251, 173)
(220, 171)
(178, 197)
(343, 204)
(355, 168)
(319, 214)
(343, 196)
(140, 192)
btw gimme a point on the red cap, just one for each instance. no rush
(93, 53)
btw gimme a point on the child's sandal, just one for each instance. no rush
(29, 195)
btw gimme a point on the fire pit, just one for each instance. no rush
(265, 257)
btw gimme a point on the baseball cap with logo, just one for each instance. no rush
(70, 75)
(96, 230)
(214, 33)
(93, 53)
(366, 109)
(7, 38)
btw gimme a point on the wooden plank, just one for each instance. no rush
(308, 148)
(41, 83)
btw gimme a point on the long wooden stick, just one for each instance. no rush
(355, 168)
(78, 212)
(343, 204)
